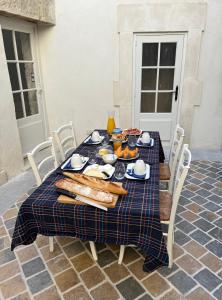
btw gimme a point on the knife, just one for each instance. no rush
(80, 198)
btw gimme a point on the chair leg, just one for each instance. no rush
(93, 250)
(170, 249)
(121, 254)
(51, 246)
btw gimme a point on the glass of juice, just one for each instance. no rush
(111, 122)
(116, 145)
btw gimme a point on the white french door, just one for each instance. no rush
(20, 53)
(157, 67)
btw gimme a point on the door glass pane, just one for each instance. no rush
(13, 74)
(150, 54)
(31, 104)
(166, 77)
(8, 44)
(164, 103)
(147, 102)
(18, 105)
(148, 79)
(23, 45)
(27, 75)
(167, 54)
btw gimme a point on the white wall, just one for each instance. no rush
(207, 124)
(77, 64)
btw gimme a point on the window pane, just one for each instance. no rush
(31, 104)
(150, 54)
(13, 74)
(8, 44)
(166, 77)
(147, 102)
(23, 45)
(164, 103)
(27, 75)
(167, 54)
(148, 79)
(18, 105)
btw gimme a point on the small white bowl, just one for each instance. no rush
(109, 158)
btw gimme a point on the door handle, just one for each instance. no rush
(176, 93)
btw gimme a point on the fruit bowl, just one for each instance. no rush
(127, 153)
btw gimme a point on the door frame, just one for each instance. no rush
(180, 90)
(22, 25)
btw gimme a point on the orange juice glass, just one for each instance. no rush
(111, 122)
(116, 145)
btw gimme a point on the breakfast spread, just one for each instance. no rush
(119, 136)
(132, 131)
(126, 153)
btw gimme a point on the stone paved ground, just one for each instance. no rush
(70, 273)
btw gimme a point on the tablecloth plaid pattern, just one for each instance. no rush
(134, 220)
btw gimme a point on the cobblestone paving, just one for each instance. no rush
(32, 272)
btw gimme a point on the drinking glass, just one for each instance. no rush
(105, 140)
(119, 170)
(132, 141)
(92, 157)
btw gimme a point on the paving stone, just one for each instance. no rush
(9, 270)
(155, 284)
(145, 297)
(209, 180)
(178, 219)
(208, 215)
(189, 216)
(27, 253)
(215, 232)
(48, 255)
(193, 187)
(64, 240)
(182, 282)
(206, 186)
(10, 213)
(42, 240)
(212, 262)
(199, 176)
(184, 201)
(3, 231)
(4, 242)
(58, 264)
(177, 251)
(187, 194)
(130, 288)
(218, 293)
(6, 255)
(181, 238)
(186, 226)
(195, 208)
(165, 271)
(215, 247)
(219, 212)
(207, 279)
(118, 272)
(212, 206)
(82, 262)
(195, 181)
(12, 287)
(217, 191)
(195, 249)
(49, 294)
(92, 277)
(203, 224)
(137, 269)
(199, 293)
(33, 266)
(200, 236)
(78, 293)
(199, 200)
(39, 282)
(189, 264)
(180, 209)
(10, 223)
(10, 232)
(105, 292)
(23, 296)
(203, 193)
(74, 249)
(66, 280)
(218, 222)
(212, 175)
(172, 295)
(106, 257)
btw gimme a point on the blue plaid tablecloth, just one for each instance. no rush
(134, 220)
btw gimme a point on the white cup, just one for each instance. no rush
(139, 167)
(76, 160)
(95, 136)
(145, 138)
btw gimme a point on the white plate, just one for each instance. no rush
(107, 168)
(130, 167)
(151, 144)
(139, 133)
(93, 143)
(131, 158)
(67, 165)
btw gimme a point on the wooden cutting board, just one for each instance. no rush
(68, 200)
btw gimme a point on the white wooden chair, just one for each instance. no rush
(169, 202)
(167, 170)
(34, 157)
(65, 139)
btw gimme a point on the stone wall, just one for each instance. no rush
(41, 11)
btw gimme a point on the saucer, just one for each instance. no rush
(130, 171)
(145, 145)
(67, 165)
(89, 140)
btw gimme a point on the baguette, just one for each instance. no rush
(83, 190)
(97, 183)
